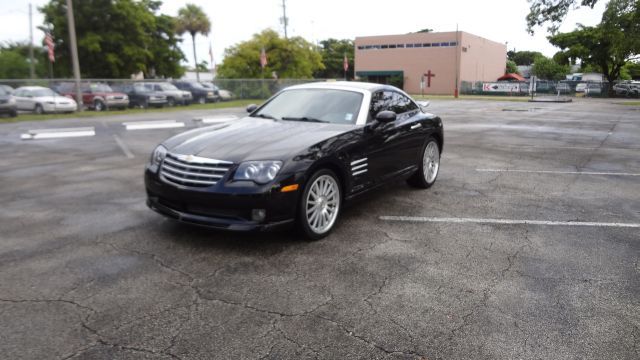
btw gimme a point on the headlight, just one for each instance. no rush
(209, 93)
(260, 172)
(126, 97)
(158, 155)
(110, 97)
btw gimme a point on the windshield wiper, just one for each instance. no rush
(304, 118)
(266, 116)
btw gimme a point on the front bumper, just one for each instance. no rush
(60, 107)
(7, 108)
(117, 103)
(221, 206)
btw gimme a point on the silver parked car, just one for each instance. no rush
(43, 100)
(174, 95)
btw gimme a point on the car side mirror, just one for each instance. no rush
(251, 108)
(386, 116)
(423, 104)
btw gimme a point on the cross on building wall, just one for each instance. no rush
(429, 75)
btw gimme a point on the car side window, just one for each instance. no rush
(380, 101)
(402, 104)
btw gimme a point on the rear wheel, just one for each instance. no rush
(171, 102)
(38, 109)
(13, 113)
(320, 204)
(428, 167)
(202, 100)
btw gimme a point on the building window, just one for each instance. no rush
(435, 44)
(426, 45)
(400, 45)
(417, 45)
(360, 47)
(384, 46)
(453, 43)
(409, 45)
(392, 46)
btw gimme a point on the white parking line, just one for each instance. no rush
(216, 119)
(123, 147)
(58, 133)
(422, 219)
(161, 124)
(560, 172)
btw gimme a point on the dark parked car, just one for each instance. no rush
(173, 94)
(299, 157)
(7, 102)
(140, 95)
(627, 89)
(96, 96)
(200, 93)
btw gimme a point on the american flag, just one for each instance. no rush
(213, 64)
(48, 39)
(345, 63)
(263, 58)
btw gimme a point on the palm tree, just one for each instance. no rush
(193, 20)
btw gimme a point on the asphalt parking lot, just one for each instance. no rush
(527, 247)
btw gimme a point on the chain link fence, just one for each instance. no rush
(596, 89)
(236, 88)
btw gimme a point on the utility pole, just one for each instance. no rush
(284, 20)
(74, 52)
(32, 71)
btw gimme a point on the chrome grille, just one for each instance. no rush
(189, 170)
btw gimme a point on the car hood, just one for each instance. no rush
(253, 139)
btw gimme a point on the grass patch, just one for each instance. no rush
(629, 103)
(93, 114)
(473, 97)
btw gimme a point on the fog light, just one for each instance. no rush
(258, 214)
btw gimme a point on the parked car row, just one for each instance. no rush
(100, 96)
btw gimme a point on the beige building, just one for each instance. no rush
(438, 59)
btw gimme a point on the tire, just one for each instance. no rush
(98, 105)
(38, 109)
(317, 220)
(428, 167)
(171, 102)
(202, 100)
(13, 113)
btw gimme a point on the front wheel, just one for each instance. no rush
(428, 167)
(98, 105)
(320, 204)
(39, 109)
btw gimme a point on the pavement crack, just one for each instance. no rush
(371, 343)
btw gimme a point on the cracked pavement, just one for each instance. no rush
(88, 272)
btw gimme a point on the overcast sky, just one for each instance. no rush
(234, 21)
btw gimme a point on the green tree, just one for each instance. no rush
(552, 12)
(333, 52)
(116, 38)
(16, 56)
(293, 58)
(609, 45)
(547, 69)
(523, 57)
(13, 65)
(193, 20)
(511, 68)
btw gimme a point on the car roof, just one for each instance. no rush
(344, 85)
(32, 88)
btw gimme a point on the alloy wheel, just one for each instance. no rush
(431, 162)
(322, 204)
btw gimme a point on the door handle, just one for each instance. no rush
(415, 126)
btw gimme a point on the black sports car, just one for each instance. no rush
(297, 158)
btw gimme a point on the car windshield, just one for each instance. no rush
(141, 88)
(100, 88)
(3, 91)
(168, 87)
(44, 92)
(314, 105)
(198, 86)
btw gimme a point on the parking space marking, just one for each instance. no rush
(560, 172)
(422, 219)
(216, 119)
(161, 124)
(58, 133)
(123, 147)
